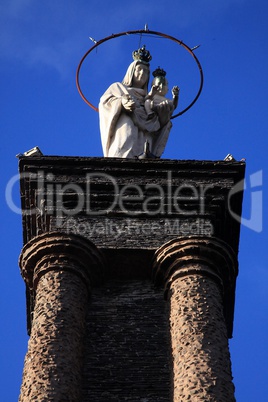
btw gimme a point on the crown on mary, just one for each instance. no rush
(142, 55)
(159, 72)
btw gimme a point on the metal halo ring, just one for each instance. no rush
(142, 31)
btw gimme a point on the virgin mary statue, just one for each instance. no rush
(124, 124)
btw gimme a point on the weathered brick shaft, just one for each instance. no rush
(199, 274)
(52, 369)
(199, 341)
(59, 269)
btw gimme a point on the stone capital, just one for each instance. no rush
(209, 257)
(60, 251)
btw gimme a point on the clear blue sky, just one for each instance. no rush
(41, 45)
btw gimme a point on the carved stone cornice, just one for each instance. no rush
(209, 256)
(60, 251)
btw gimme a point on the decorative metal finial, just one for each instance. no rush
(93, 40)
(195, 47)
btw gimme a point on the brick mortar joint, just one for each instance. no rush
(193, 269)
(63, 262)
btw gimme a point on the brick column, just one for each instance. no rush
(59, 269)
(199, 277)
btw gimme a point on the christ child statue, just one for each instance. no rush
(156, 102)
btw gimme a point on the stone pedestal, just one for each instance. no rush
(60, 270)
(184, 216)
(198, 275)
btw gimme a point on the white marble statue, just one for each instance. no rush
(124, 123)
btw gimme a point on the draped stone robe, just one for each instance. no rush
(123, 133)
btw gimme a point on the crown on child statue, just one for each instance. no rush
(159, 72)
(142, 55)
